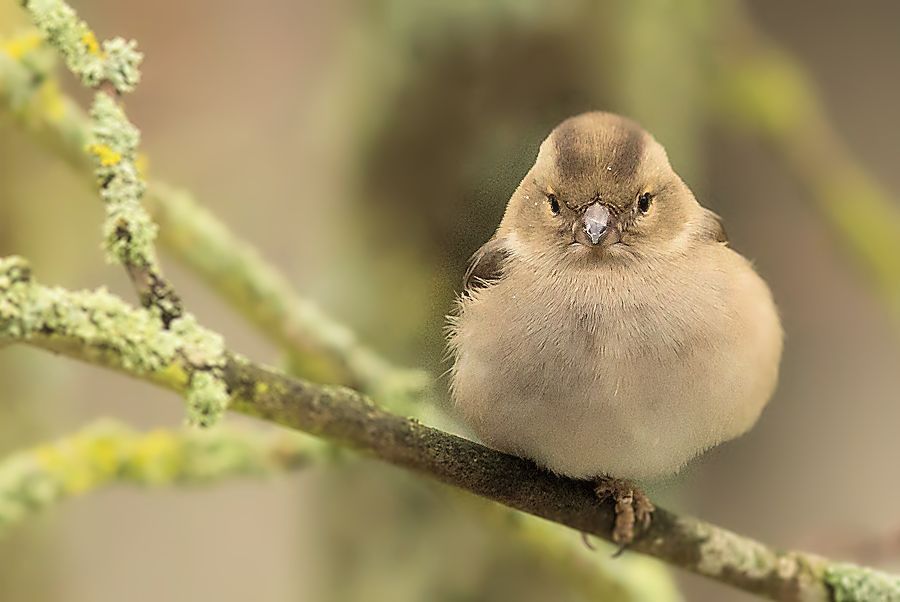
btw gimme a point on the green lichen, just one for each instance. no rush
(24, 60)
(129, 234)
(319, 347)
(112, 128)
(109, 452)
(202, 348)
(121, 64)
(723, 551)
(850, 583)
(207, 395)
(33, 97)
(134, 340)
(21, 46)
(93, 319)
(115, 61)
(15, 274)
(128, 231)
(207, 398)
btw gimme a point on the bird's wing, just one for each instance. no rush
(713, 228)
(486, 265)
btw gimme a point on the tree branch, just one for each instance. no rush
(345, 416)
(108, 452)
(101, 329)
(111, 68)
(327, 350)
(85, 326)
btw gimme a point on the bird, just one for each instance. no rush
(607, 331)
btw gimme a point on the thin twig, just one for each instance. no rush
(109, 452)
(111, 69)
(327, 349)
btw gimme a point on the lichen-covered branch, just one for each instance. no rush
(111, 453)
(112, 69)
(596, 572)
(65, 322)
(104, 325)
(30, 92)
(52, 319)
(108, 452)
(327, 350)
(115, 61)
(100, 328)
(129, 232)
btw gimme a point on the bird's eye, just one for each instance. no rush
(554, 204)
(644, 202)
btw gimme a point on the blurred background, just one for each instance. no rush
(367, 149)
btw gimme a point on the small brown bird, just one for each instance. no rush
(607, 331)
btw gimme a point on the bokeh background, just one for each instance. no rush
(366, 149)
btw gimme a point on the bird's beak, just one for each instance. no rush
(595, 226)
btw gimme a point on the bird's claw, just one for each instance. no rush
(632, 506)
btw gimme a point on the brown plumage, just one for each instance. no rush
(607, 328)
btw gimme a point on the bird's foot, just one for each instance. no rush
(633, 507)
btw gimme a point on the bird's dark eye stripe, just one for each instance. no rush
(554, 203)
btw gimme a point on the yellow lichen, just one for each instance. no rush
(49, 458)
(155, 457)
(105, 155)
(173, 374)
(19, 46)
(102, 453)
(90, 42)
(109, 452)
(65, 468)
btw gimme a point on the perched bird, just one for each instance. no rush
(606, 330)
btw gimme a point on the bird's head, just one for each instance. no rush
(602, 189)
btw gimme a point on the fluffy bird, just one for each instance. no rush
(607, 331)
